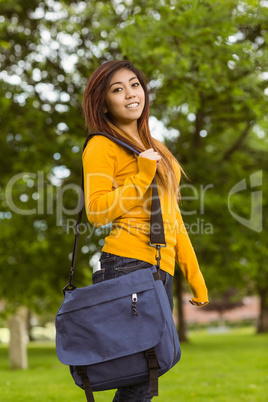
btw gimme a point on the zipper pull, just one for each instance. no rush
(134, 298)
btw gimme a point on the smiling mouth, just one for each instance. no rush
(131, 105)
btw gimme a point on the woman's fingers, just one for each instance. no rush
(150, 154)
(199, 304)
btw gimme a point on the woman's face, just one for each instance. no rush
(125, 98)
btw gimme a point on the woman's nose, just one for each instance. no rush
(129, 93)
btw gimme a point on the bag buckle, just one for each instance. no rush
(81, 371)
(157, 252)
(150, 353)
(70, 285)
(68, 288)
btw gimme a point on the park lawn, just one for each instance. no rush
(214, 367)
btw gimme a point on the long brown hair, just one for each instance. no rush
(96, 120)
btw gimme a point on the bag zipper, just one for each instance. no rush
(134, 299)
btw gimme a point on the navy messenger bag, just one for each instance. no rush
(118, 332)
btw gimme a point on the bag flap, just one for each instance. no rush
(97, 323)
(101, 293)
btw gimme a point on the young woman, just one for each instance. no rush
(117, 188)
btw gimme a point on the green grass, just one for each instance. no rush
(230, 367)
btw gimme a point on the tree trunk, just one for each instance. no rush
(238, 142)
(262, 326)
(178, 288)
(199, 121)
(29, 325)
(221, 320)
(17, 344)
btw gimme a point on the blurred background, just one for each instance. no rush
(207, 68)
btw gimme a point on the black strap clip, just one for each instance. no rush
(69, 286)
(82, 372)
(153, 368)
(157, 253)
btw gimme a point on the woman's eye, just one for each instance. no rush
(119, 89)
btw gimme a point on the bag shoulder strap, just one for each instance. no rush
(157, 235)
(110, 138)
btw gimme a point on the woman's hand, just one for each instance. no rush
(151, 154)
(199, 304)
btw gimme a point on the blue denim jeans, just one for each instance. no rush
(113, 266)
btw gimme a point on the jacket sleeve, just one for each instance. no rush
(104, 199)
(186, 258)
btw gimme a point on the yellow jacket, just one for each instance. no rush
(117, 191)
